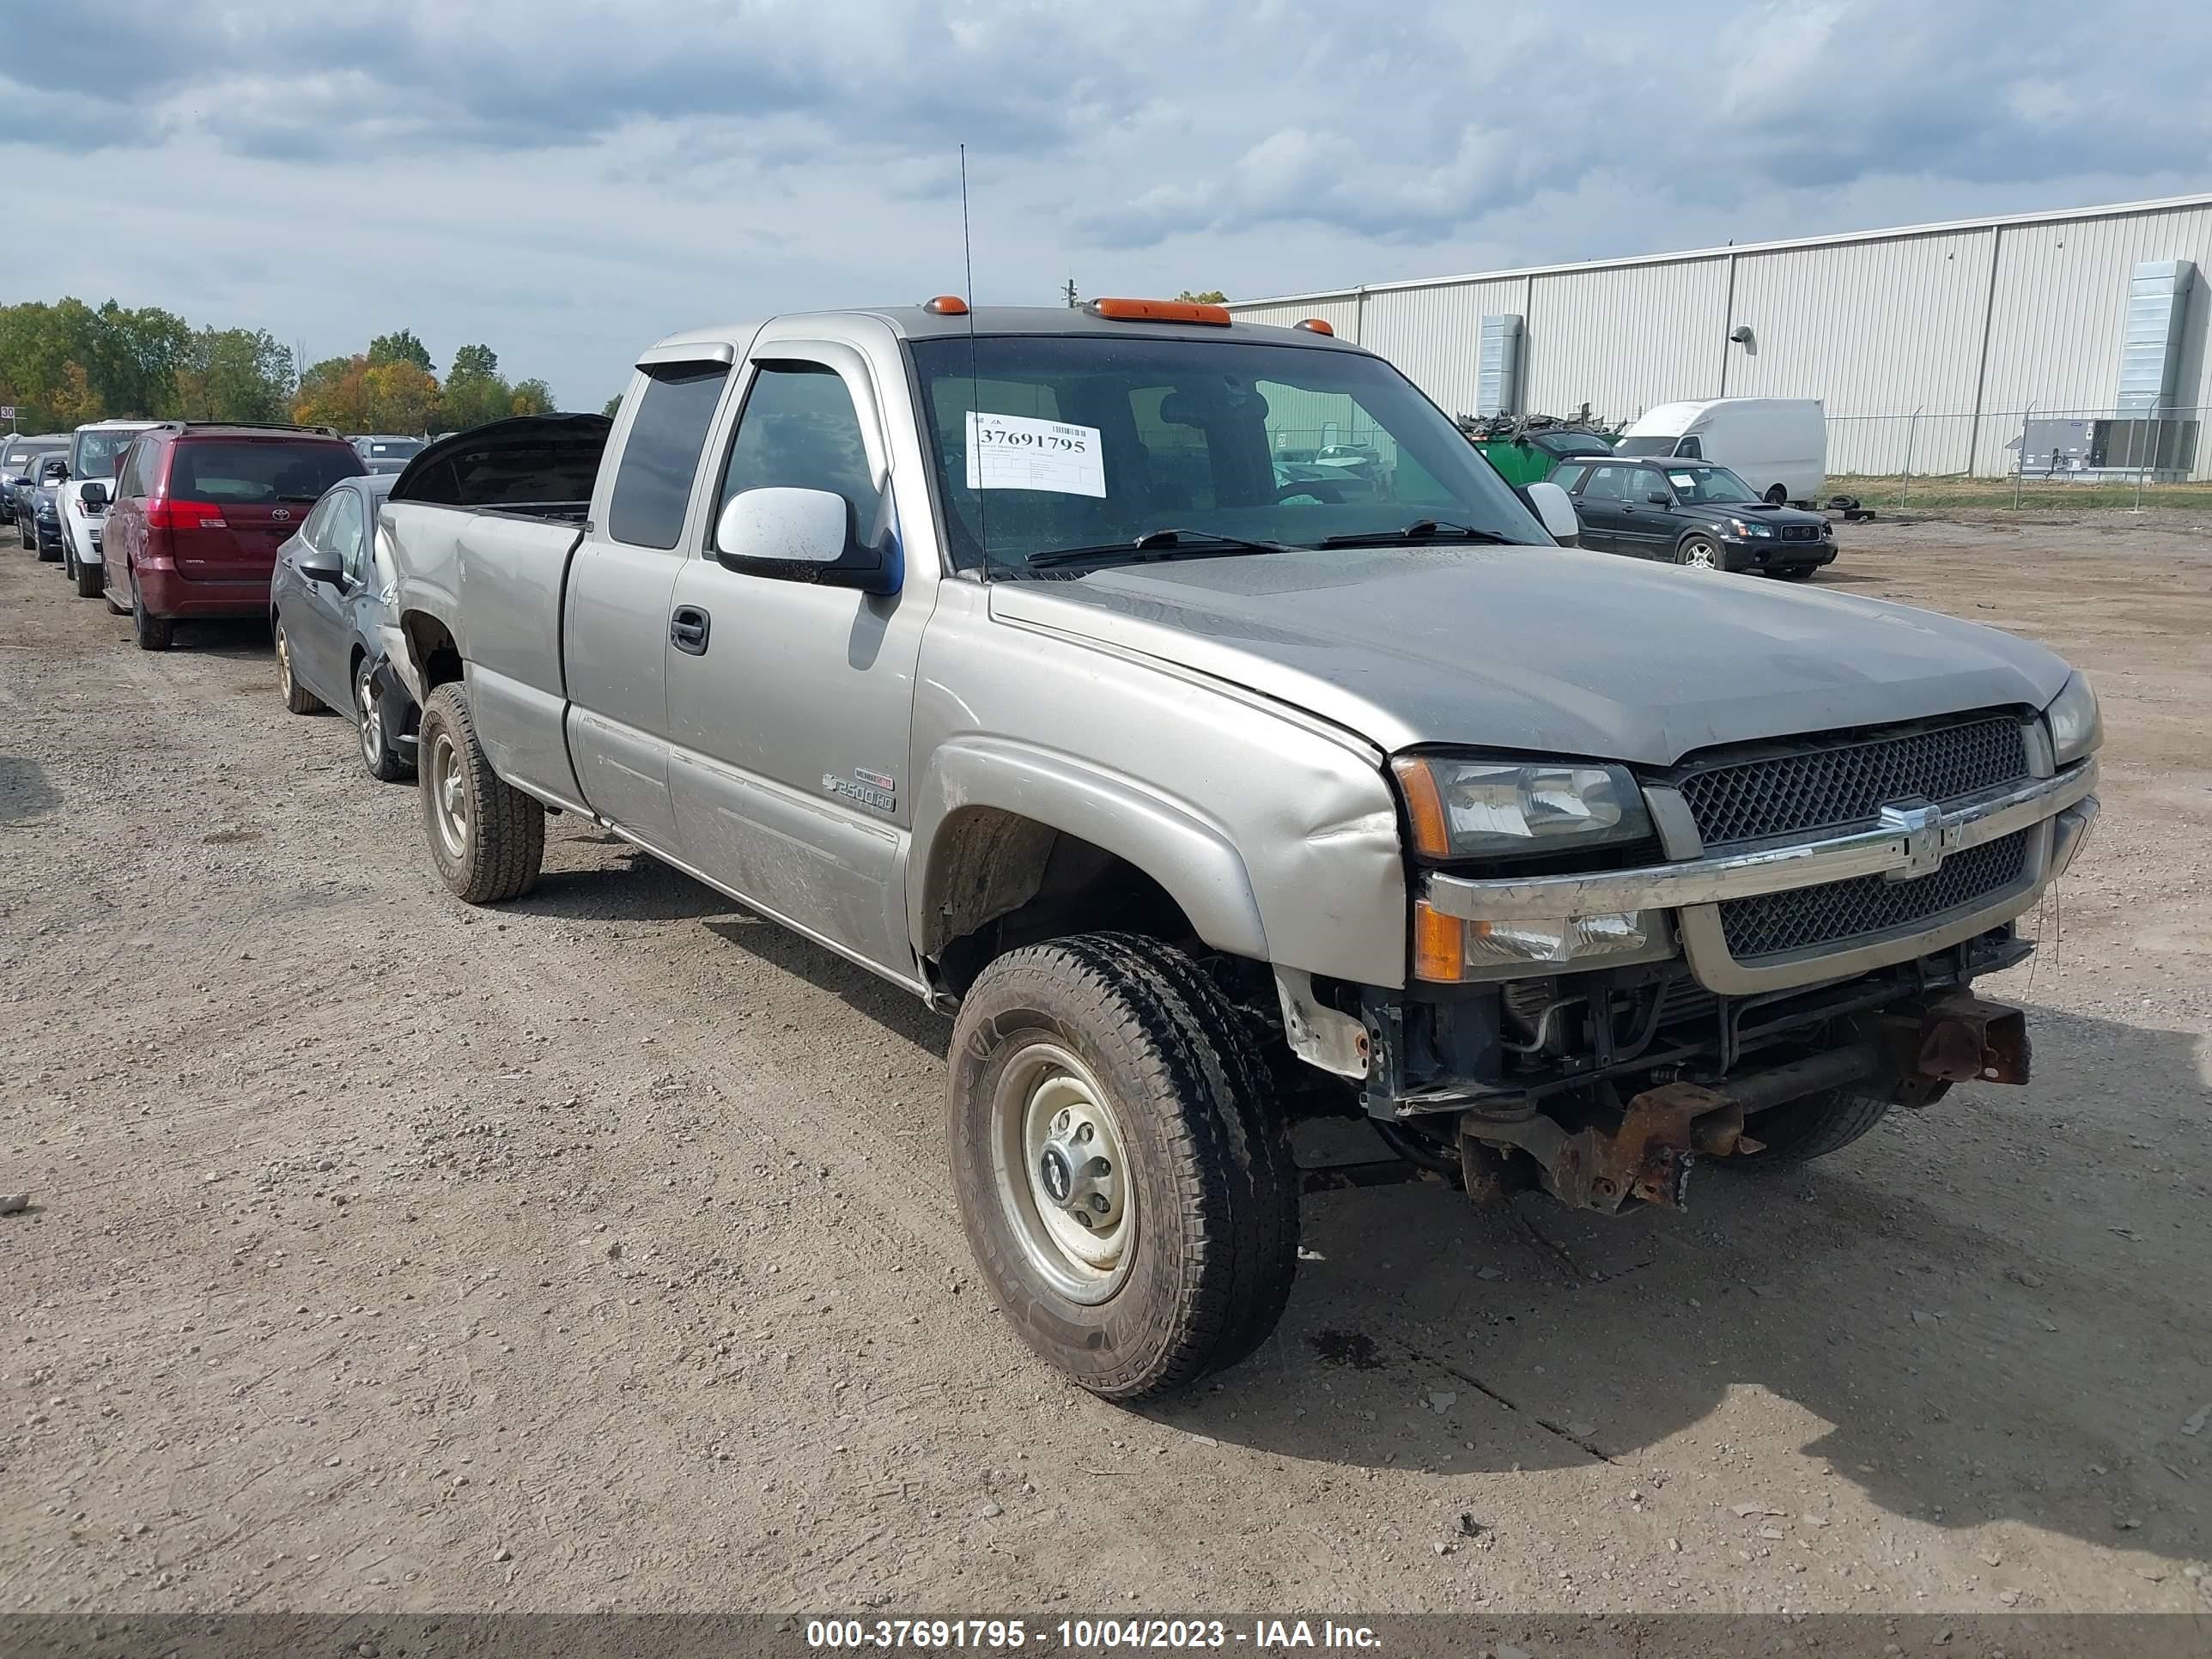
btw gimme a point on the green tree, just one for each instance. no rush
(474, 362)
(402, 397)
(613, 406)
(1213, 296)
(532, 398)
(400, 346)
(233, 374)
(334, 393)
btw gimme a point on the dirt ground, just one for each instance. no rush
(597, 1251)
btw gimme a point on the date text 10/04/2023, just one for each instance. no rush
(1085, 1635)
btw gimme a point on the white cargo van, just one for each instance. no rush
(1778, 446)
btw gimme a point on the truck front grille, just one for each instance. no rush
(1845, 783)
(1838, 913)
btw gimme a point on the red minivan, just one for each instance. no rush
(201, 509)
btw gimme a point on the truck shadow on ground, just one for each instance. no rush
(25, 797)
(1992, 1309)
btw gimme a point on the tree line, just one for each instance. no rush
(65, 363)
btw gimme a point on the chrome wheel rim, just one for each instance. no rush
(1699, 556)
(449, 797)
(1059, 1161)
(372, 729)
(284, 661)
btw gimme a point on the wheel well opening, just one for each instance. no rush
(430, 643)
(999, 881)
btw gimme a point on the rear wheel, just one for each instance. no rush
(91, 579)
(377, 752)
(297, 698)
(1778, 495)
(1127, 1186)
(1806, 1129)
(487, 837)
(1699, 553)
(151, 632)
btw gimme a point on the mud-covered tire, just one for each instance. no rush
(1806, 1129)
(298, 700)
(487, 837)
(151, 632)
(91, 579)
(1212, 1194)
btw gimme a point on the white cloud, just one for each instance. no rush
(567, 179)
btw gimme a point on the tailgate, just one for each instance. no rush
(235, 501)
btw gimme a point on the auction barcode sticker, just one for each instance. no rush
(1012, 452)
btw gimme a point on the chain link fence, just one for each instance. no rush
(2023, 458)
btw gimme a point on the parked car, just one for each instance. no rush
(1694, 513)
(95, 451)
(200, 510)
(38, 503)
(1780, 445)
(1203, 813)
(17, 452)
(327, 613)
(380, 453)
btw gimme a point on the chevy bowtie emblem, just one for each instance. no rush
(1922, 824)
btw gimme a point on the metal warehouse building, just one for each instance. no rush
(2077, 337)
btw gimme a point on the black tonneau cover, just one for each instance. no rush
(531, 462)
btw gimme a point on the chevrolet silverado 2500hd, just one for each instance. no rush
(998, 653)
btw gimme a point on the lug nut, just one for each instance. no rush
(1098, 1202)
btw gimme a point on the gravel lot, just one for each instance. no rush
(597, 1253)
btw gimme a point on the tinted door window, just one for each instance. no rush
(345, 537)
(1690, 449)
(1568, 475)
(317, 530)
(127, 480)
(652, 485)
(1608, 484)
(1649, 482)
(799, 431)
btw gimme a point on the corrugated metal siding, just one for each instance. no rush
(1873, 327)
(1435, 335)
(1622, 340)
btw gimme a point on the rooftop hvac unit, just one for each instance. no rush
(2150, 348)
(1498, 378)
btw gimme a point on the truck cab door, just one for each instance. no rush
(791, 702)
(614, 629)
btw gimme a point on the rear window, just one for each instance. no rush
(660, 457)
(1645, 446)
(252, 471)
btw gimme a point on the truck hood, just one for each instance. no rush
(1541, 649)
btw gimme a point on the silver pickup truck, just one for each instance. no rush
(1054, 665)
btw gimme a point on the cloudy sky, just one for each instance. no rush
(567, 180)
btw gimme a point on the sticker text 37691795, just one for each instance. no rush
(1013, 451)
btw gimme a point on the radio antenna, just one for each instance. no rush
(973, 436)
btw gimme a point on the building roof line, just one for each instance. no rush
(1988, 222)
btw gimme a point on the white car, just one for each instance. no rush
(95, 451)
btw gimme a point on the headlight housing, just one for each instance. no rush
(1750, 527)
(1468, 808)
(2076, 727)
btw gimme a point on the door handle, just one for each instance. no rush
(688, 629)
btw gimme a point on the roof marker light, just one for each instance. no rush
(1159, 311)
(947, 305)
(1315, 325)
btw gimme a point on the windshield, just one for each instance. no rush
(1092, 442)
(96, 451)
(1646, 446)
(1709, 483)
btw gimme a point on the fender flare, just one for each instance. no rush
(1186, 854)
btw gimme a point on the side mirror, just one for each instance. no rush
(95, 494)
(800, 536)
(317, 565)
(1660, 498)
(1556, 511)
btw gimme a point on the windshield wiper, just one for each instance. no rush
(1155, 545)
(1421, 530)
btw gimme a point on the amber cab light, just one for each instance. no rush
(947, 305)
(1158, 311)
(1315, 325)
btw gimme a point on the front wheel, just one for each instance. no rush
(487, 837)
(1127, 1186)
(1699, 553)
(378, 754)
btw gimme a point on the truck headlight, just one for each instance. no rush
(2076, 728)
(1487, 809)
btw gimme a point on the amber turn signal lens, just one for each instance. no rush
(947, 305)
(1158, 311)
(1424, 807)
(1439, 945)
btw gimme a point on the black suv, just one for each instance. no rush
(1691, 512)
